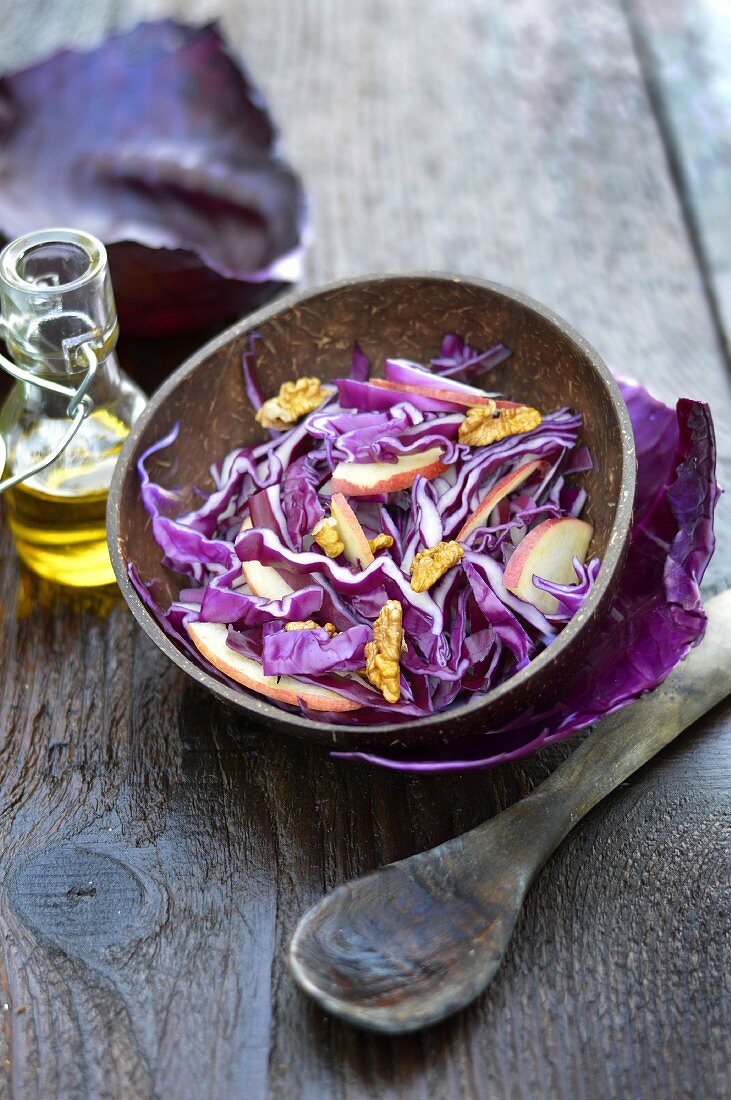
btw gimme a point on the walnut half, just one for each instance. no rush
(326, 535)
(380, 542)
(310, 624)
(480, 427)
(429, 565)
(383, 654)
(294, 400)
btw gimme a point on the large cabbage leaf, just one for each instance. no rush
(158, 143)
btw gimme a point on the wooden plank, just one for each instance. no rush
(155, 854)
(684, 50)
(515, 142)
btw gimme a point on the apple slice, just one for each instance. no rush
(357, 550)
(501, 489)
(368, 397)
(361, 479)
(403, 375)
(264, 580)
(380, 394)
(210, 639)
(449, 397)
(403, 371)
(547, 552)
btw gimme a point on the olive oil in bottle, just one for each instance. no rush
(56, 299)
(59, 522)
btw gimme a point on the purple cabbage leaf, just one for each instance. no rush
(158, 142)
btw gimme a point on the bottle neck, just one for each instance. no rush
(37, 401)
(59, 361)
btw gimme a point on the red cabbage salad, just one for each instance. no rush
(395, 547)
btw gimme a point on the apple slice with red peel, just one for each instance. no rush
(379, 394)
(369, 397)
(501, 489)
(357, 550)
(547, 552)
(404, 375)
(362, 479)
(402, 371)
(449, 397)
(210, 640)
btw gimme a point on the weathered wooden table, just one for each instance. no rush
(155, 853)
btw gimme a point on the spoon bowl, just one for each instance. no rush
(414, 942)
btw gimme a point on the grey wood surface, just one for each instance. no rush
(685, 49)
(155, 855)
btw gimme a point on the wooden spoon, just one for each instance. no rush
(418, 940)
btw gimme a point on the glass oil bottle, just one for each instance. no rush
(71, 406)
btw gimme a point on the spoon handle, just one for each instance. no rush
(623, 742)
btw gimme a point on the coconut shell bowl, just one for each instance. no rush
(391, 315)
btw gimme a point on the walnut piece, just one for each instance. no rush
(294, 400)
(480, 427)
(310, 624)
(380, 542)
(383, 654)
(429, 565)
(326, 535)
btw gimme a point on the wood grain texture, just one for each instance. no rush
(416, 941)
(513, 141)
(684, 50)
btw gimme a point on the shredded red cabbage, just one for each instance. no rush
(248, 546)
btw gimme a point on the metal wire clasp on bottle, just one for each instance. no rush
(79, 407)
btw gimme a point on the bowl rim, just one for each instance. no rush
(258, 706)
